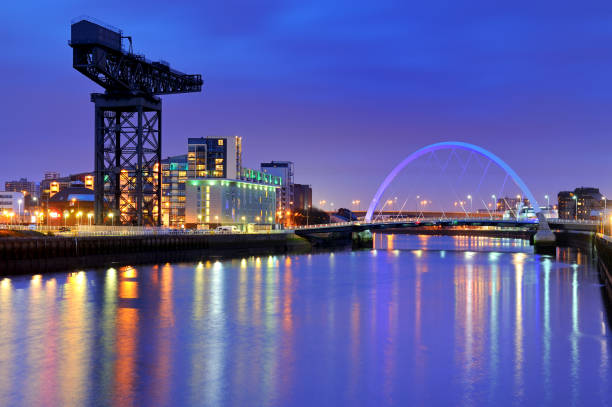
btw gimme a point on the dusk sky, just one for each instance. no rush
(345, 89)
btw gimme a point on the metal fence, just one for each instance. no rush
(85, 230)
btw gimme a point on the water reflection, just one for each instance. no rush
(419, 320)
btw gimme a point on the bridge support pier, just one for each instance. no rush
(362, 240)
(544, 241)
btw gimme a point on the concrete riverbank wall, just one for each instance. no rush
(603, 245)
(35, 254)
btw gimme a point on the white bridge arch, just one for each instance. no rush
(452, 144)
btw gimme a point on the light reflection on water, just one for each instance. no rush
(420, 320)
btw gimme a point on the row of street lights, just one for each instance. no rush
(79, 215)
(418, 202)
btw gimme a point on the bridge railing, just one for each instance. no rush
(465, 220)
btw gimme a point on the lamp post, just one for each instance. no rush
(547, 202)
(19, 202)
(89, 216)
(494, 198)
(471, 203)
(66, 214)
(78, 216)
(575, 198)
(603, 217)
(112, 216)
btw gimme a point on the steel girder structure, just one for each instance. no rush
(119, 71)
(127, 160)
(127, 122)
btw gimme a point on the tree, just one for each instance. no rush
(310, 216)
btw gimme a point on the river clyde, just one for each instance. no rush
(419, 320)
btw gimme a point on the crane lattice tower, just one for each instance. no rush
(128, 139)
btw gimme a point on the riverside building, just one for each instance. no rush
(214, 157)
(581, 203)
(11, 205)
(174, 175)
(232, 201)
(284, 170)
(208, 186)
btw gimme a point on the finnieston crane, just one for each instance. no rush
(128, 137)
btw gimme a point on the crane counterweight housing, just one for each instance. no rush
(127, 133)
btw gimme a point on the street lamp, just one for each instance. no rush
(19, 202)
(66, 214)
(89, 216)
(547, 202)
(78, 215)
(112, 216)
(471, 205)
(575, 198)
(494, 198)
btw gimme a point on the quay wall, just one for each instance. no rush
(603, 245)
(33, 253)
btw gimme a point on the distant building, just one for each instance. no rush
(230, 202)
(302, 196)
(582, 203)
(283, 169)
(214, 157)
(52, 175)
(28, 188)
(174, 175)
(11, 202)
(23, 185)
(51, 185)
(510, 204)
(72, 205)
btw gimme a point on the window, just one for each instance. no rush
(220, 142)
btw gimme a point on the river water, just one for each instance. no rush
(420, 320)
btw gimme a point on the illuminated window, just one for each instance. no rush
(220, 142)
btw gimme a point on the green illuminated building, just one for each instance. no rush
(232, 202)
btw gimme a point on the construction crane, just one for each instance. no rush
(127, 163)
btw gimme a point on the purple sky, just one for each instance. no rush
(343, 89)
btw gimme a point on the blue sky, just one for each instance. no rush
(344, 89)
